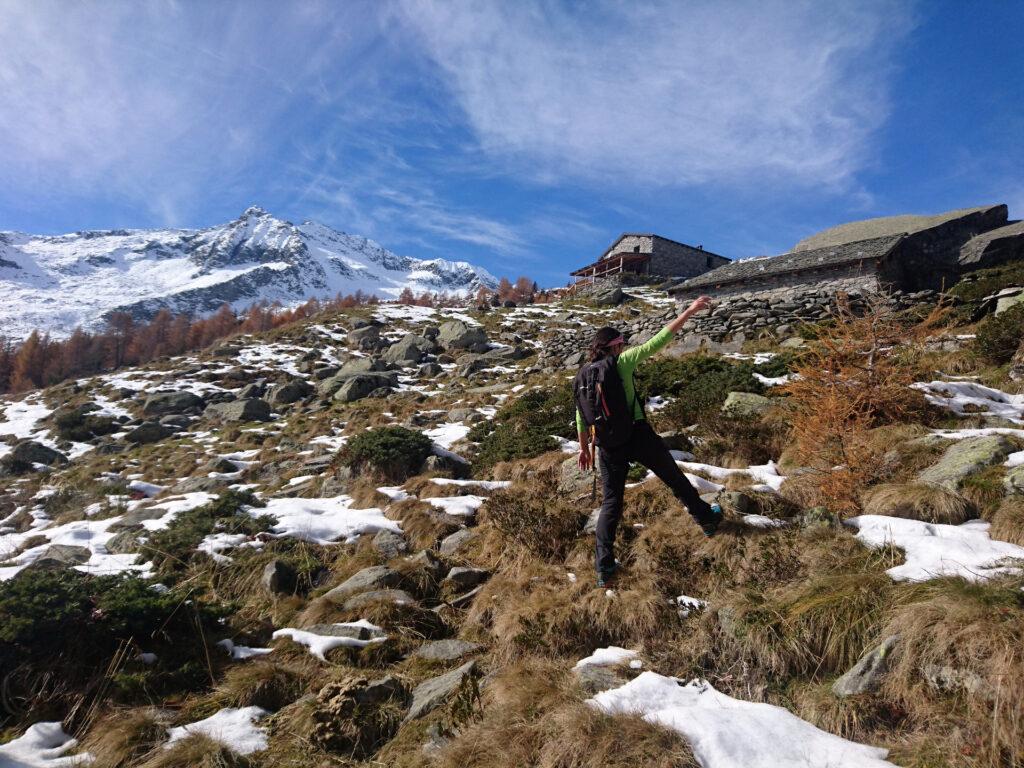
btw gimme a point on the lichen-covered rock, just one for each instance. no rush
(278, 578)
(389, 544)
(361, 385)
(397, 596)
(31, 452)
(456, 334)
(148, 432)
(1017, 364)
(965, 458)
(431, 694)
(451, 545)
(408, 350)
(251, 409)
(164, 403)
(57, 556)
(745, 405)
(461, 578)
(867, 674)
(1014, 480)
(446, 650)
(366, 580)
(290, 392)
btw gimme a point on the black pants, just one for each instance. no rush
(647, 448)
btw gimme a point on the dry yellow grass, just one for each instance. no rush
(1008, 521)
(918, 501)
(533, 716)
(971, 636)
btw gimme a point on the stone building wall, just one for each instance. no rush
(633, 244)
(679, 260)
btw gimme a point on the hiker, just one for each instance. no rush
(609, 413)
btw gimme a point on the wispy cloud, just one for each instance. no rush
(669, 92)
(157, 101)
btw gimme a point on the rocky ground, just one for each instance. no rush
(234, 558)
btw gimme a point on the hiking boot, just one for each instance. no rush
(711, 526)
(604, 579)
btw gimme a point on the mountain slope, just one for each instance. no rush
(57, 282)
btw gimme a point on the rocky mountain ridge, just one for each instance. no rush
(55, 283)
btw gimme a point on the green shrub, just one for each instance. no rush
(65, 626)
(524, 428)
(975, 286)
(698, 384)
(1000, 335)
(173, 547)
(396, 453)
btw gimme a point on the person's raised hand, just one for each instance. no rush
(586, 458)
(701, 302)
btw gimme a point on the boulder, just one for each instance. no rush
(358, 336)
(57, 556)
(389, 544)
(31, 452)
(251, 409)
(456, 334)
(426, 561)
(594, 678)
(572, 482)
(460, 579)
(949, 679)
(1014, 480)
(148, 432)
(361, 385)
(408, 350)
(447, 466)
(361, 365)
(739, 502)
(451, 545)
(575, 360)
(164, 403)
(429, 370)
(278, 578)
(126, 542)
(432, 693)
(446, 650)
(290, 392)
(609, 297)
(745, 405)
(360, 601)
(867, 674)
(255, 389)
(366, 580)
(965, 458)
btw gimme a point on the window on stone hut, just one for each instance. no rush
(709, 261)
(636, 249)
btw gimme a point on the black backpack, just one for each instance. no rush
(601, 400)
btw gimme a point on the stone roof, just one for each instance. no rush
(975, 248)
(795, 261)
(884, 226)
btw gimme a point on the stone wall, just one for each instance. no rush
(633, 244)
(735, 318)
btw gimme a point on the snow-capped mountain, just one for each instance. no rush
(55, 283)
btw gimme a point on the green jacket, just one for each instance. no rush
(626, 365)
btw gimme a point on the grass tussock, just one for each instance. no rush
(1008, 521)
(918, 501)
(198, 752)
(124, 736)
(533, 608)
(961, 654)
(534, 518)
(534, 716)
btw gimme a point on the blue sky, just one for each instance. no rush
(521, 136)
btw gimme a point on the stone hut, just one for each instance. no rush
(894, 253)
(651, 255)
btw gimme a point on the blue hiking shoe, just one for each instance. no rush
(711, 526)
